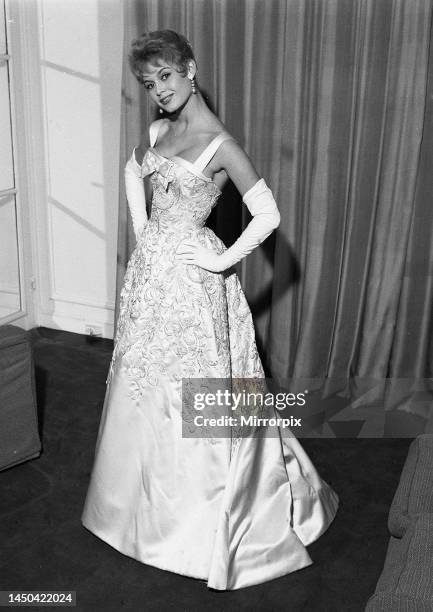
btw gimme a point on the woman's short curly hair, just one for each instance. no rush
(160, 44)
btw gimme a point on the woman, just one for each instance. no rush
(234, 511)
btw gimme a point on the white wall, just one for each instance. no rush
(81, 44)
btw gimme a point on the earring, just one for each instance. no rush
(193, 85)
(160, 111)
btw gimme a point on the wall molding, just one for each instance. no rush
(23, 37)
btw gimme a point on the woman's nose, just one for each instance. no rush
(159, 86)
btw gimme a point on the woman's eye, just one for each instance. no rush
(148, 85)
(165, 76)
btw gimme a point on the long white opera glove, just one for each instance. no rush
(266, 217)
(135, 195)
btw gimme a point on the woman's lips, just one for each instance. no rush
(166, 99)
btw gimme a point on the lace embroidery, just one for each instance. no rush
(175, 320)
(165, 168)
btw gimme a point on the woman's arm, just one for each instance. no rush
(231, 158)
(135, 195)
(260, 202)
(134, 185)
(139, 153)
(145, 142)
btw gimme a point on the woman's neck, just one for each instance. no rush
(190, 113)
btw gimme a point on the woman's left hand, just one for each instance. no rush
(191, 252)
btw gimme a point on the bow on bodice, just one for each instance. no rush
(152, 162)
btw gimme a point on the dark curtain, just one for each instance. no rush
(333, 101)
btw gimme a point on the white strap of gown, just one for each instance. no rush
(204, 158)
(153, 131)
(202, 161)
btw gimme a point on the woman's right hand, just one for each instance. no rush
(192, 252)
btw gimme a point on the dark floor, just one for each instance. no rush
(44, 546)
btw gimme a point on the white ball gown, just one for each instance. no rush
(234, 512)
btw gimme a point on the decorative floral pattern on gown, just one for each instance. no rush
(174, 318)
(236, 512)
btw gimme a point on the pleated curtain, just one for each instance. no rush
(333, 102)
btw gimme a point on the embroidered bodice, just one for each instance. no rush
(183, 196)
(173, 318)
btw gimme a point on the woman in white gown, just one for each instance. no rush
(234, 511)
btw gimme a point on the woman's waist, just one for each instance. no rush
(176, 227)
(171, 235)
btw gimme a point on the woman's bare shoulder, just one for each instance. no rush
(210, 127)
(232, 158)
(230, 152)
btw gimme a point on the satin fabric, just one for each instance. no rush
(232, 511)
(232, 518)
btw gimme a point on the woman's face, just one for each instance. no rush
(165, 85)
